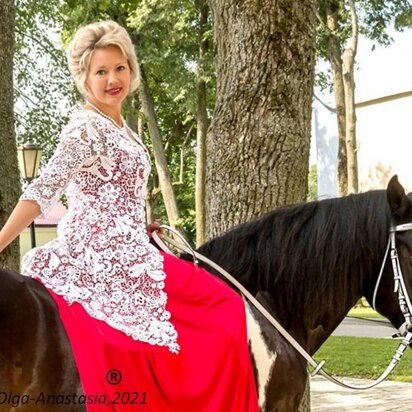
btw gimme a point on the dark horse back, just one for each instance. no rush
(36, 360)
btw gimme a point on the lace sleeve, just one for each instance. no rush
(78, 143)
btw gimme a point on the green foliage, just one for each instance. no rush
(42, 80)
(375, 18)
(168, 42)
(312, 183)
(343, 30)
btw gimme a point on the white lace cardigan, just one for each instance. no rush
(102, 257)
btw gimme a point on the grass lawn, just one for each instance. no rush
(364, 312)
(363, 358)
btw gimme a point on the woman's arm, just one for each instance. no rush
(79, 142)
(23, 214)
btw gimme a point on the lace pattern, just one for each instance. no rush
(102, 257)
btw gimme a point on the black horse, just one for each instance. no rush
(308, 264)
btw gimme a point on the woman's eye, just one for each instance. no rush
(121, 68)
(100, 73)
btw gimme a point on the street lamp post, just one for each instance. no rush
(29, 156)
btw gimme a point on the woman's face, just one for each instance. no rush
(108, 80)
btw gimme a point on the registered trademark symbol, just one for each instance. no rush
(113, 376)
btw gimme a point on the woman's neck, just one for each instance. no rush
(114, 113)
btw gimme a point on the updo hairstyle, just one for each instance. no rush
(98, 36)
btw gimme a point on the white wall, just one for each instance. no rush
(324, 149)
(385, 144)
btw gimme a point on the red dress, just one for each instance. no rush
(148, 331)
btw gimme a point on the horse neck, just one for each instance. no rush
(308, 263)
(333, 271)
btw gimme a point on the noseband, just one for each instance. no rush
(398, 278)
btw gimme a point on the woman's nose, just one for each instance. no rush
(112, 78)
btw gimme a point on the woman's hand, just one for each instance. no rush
(154, 227)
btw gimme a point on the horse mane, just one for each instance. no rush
(311, 256)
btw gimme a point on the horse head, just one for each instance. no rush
(391, 292)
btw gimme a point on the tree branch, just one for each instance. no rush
(322, 23)
(48, 47)
(24, 96)
(355, 27)
(182, 152)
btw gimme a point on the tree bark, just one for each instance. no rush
(258, 143)
(349, 86)
(132, 117)
(259, 139)
(202, 125)
(335, 53)
(9, 172)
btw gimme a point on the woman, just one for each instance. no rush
(176, 334)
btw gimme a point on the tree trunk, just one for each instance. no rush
(9, 172)
(150, 211)
(349, 86)
(258, 143)
(334, 48)
(132, 118)
(202, 124)
(165, 181)
(136, 124)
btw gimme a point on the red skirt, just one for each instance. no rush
(212, 372)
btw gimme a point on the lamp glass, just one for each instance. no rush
(29, 161)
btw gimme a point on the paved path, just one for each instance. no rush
(386, 397)
(366, 328)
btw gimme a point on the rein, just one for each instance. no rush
(404, 303)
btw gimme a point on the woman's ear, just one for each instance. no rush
(87, 92)
(86, 86)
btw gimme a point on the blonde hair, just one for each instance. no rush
(98, 36)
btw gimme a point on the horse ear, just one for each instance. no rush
(397, 199)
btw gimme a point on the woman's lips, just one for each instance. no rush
(114, 91)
